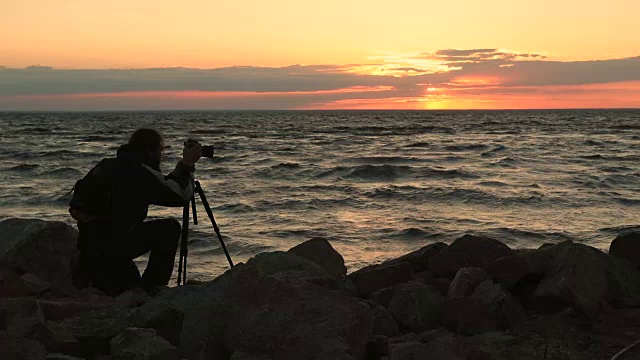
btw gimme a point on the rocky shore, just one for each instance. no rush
(472, 299)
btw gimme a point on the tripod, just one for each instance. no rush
(184, 250)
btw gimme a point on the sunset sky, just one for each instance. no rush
(281, 54)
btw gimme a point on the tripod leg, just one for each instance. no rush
(213, 221)
(182, 263)
(193, 209)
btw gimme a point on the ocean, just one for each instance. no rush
(376, 184)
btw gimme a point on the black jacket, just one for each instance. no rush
(135, 182)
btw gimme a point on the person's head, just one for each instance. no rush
(148, 141)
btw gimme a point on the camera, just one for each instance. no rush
(207, 150)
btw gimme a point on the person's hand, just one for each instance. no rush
(191, 155)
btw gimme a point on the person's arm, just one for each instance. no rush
(175, 189)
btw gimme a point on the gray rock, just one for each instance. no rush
(468, 251)
(12, 285)
(142, 344)
(36, 285)
(94, 330)
(285, 264)
(509, 270)
(504, 308)
(321, 252)
(627, 246)
(369, 280)
(383, 296)
(17, 348)
(416, 307)
(384, 324)
(419, 259)
(285, 317)
(409, 351)
(465, 282)
(23, 316)
(468, 316)
(243, 355)
(44, 248)
(575, 278)
(57, 339)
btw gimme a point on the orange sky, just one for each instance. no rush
(353, 54)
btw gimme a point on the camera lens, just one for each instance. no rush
(207, 151)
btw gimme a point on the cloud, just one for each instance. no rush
(397, 78)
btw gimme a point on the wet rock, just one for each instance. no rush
(504, 307)
(383, 296)
(142, 344)
(509, 270)
(419, 259)
(280, 263)
(17, 348)
(465, 282)
(23, 316)
(369, 280)
(468, 316)
(383, 322)
(468, 251)
(12, 285)
(44, 248)
(416, 307)
(57, 339)
(576, 278)
(36, 285)
(321, 252)
(287, 317)
(627, 246)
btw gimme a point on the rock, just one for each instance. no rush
(243, 355)
(44, 248)
(623, 281)
(441, 348)
(58, 356)
(285, 317)
(23, 316)
(468, 251)
(504, 308)
(94, 330)
(383, 322)
(142, 344)
(282, 263)
(576, 278)
(36, 285)
(17, 348)
(419, 259)
(11, 285)
(465, 282)
(132, 298)
(508, 270)
(425, 276)
(165, 318)
(60, 309)
(468, 316)
(441, 284)
(58, 339)
(321, 252)
(369, 280)
(416, 307)
(627, 246)
(383, 296)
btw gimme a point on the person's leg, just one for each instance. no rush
(161, 238)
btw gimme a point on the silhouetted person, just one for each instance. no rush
(111, 204)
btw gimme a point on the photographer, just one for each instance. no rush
(110, 204)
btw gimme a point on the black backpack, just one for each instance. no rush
(93, 194)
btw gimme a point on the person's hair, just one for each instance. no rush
(146, 139)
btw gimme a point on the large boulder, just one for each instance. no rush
(23, 316)
(371, 279)
(627, 246)
(383, 322)
(16, 348)
(465, 282)
(57, 339)
(142, 344)
(419, 259)
(504, 307)
(321, 252)
(12, 285)
(468, 251)
(286, 264)
(468, 316)
(416, 307)
(287, 317)
(576, 278)
(44, 248)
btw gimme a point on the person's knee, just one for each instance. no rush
(174, 227)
